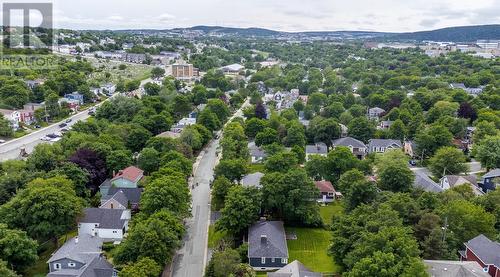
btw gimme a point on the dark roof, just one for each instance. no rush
(485, 249)
(318, 148)
(425, 183)
(493, 173)
(348, 141)
(294, 269)
(107, 218)
(131, 194)
(454, 269)
(453, 179)
(81, 249)
(97, 267)
(252, 180)
(273, 246)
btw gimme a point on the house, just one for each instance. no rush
(32, 84)
(382, 145)
(108, 89)
(437, 268)
(319, 149)
(80, 257)
(358, 148)
(183, 123)
(73, 105)
(294, 269)
(457, 86)
(256, 153)
(343, 130)
(107, 224)
(483, 251)
(74, 96)
(14, 117)
(134, 58)
(425, 183)
(252, 180)
(385, 124)
(121, 198)
(327, 192)
(451, 181)
(375, 113)
(126, 178)
(267, 248)
(169, 134)
(410, 148)
(27, 114)
(490, 180)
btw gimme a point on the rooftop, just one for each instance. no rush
(294, 269)
(107, 218)
(130, 173)
(81, 249)
(349, 142)
(485, 249)
(267, 239)
(454, 269)
(324, 186)
(318, 148)
(252, 180)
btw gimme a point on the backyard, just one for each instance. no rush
(327, 212)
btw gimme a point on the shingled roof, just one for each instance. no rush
(485, 249)
(130, 173)
(294, 269)
(267, 239)
(107, 218)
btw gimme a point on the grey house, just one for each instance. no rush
(319, 149)
(252, 180)
(267, 248)
(382, 145)
(121, 198)
(294, 269)
(490, 181)
(357, 147)
(257, 153)
(80, 257)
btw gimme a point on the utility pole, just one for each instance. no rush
(445, 228)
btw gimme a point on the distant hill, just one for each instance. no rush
(456, 34)
(257, 32)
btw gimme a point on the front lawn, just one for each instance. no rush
(311, 249)
(332, 209)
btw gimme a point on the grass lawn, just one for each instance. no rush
(214, 237)
(327, 212)
(252, 168)
(41, 268)
(311, 248)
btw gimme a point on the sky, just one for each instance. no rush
(282, 15)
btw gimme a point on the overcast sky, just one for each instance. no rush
(284, 15)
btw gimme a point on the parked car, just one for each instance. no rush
(45, 138)
(69, 120)
(56, 139)
(2, 141)
(62, 125)
(38, 126)
(413, 163)
(64, 130)
(52, 136)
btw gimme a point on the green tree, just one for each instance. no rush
(267, 136)
(359, 192)
(324, 130)
(338, 161)
(137, 138)
(281, 162)
(447, 161)
(118, 160)
(431, 139)
(488, 152)
(144, 267)
(397, 130)
(149, 160)
(152, 88)
(191, 137)
(209, 119)
(241, 209)
(361, 128)
(157, 72)
(45, 208)
(5, 128)
(166, 193)
(219, 108)
(5, 271)
(16, 248)
(396, 177)
(220, 188)
(253, 126)
(231, 169)
(45, 157)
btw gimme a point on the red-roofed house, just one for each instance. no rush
(327, 191)
(128, 177)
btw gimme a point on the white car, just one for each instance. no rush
(2, 141)
(55, 139)
(45, 138)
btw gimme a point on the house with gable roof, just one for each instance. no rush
(483, 251)
(357, 147)
(267, 247)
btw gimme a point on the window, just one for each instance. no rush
(272, 260)
(263, 260)
(112, 205)
(57, 266)
(71, 264)
(284, 261)
(114, 232)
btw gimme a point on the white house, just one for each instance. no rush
(108, 224)
(12, 116)
(375, 113)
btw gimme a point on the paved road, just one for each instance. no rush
(191, 258)
(11, 149)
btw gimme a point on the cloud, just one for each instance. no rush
(115, 18)
(429, 23)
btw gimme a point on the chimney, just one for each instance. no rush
(263, 239)
(76, 240)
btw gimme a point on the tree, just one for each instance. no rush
(267, 136)
(290, 196)
(467, 220)
(16, 248)
(137, 138)
(156, 237)
(359, 192)
(5, 271)
(241, 209)
(254, 126)
(178, 161)
(149, 160)
(281, 162)
(209, 119)
(260, 111)
(52, 105)
(5, 128)
(225, 263)
(295, 135)
(432, 138)
(387, 264)
(94, 164)
(191, 137)
(45, 157)
(397, 130)
(467, 111)
(396, 177)
(157, 72)
(361, 128)
(46, 208)
(144, 267)
(231, 169)
(447, 161)
(169, 193)
(324, 130)
(484, 129)
(488, 152)
(118, 160)
(79, 177)
(219, 108)
(220, 188)
(338, 161)
(152, 89)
